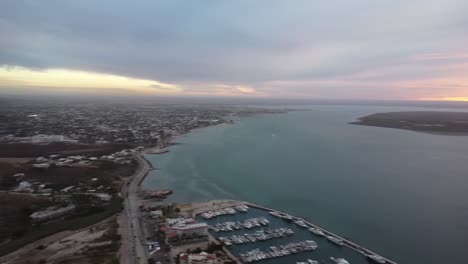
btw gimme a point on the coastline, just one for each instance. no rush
(170, 142)
(133, 231)
(432, 122)
(454, 134)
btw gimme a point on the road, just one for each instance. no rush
(133, 249)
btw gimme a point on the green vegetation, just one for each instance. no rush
(47, 229)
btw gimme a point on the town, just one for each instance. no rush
(69, 167)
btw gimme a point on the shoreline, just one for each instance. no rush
(446, 123)
(167, 146)
(454, 134)
(133, 233)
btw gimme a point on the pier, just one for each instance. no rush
(346, 242)
(199, 208)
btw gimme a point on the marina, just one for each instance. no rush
(259, 234)
(247, 224)
(281, 251)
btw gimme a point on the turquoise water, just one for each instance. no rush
(400, 193)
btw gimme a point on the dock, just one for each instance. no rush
(199, 208)
(346, 242)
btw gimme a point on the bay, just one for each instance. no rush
(401, 193)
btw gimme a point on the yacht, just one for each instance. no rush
(287, 217)
(335, 240)
(300, 223)
(275, 214)
(376, 258)
(242, 208)
(339, 260)
(230, 211)
(316, 231)
(310, 261)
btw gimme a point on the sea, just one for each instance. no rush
(401, 193)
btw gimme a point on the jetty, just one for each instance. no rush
(346, 242)
(219, 205)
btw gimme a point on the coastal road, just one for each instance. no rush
(133, 249)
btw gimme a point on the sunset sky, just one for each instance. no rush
(361, 49)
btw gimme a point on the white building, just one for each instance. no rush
(67, 189)
(156, 214)
(42, 138)
(187, 226)
(203, 257)
(51, 213)
(24, 186)
(42, 165)
(103, 196)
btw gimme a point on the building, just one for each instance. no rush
(203, 257)
(187, 226)
(177, 228)
(41, 138)
(105, 197)
(51, 213)
(67, 189)
(198, 229)
(156, 214)
(41, 165)
(24, 186)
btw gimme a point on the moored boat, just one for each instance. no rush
(339, 260)
(300, 223)
(335, 240)
(275, 214)
(376, 258)
(316, 231)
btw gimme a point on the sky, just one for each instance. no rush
(334, 49)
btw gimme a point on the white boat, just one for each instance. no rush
(287, 217)
(311, 261)
(242, 208)
(335, 240)
(316, 231)
(339, 260)
(376, 258)
(300, 223)
(275, 214)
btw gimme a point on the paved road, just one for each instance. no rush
(133, 250)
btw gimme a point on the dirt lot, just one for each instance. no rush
(77, 247)
(15, 211)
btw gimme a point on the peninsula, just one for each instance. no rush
(447, 123)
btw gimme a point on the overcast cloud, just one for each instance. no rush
(400, 49)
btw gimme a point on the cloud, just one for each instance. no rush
(245, 89)
(332, 48)
(73, 79)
